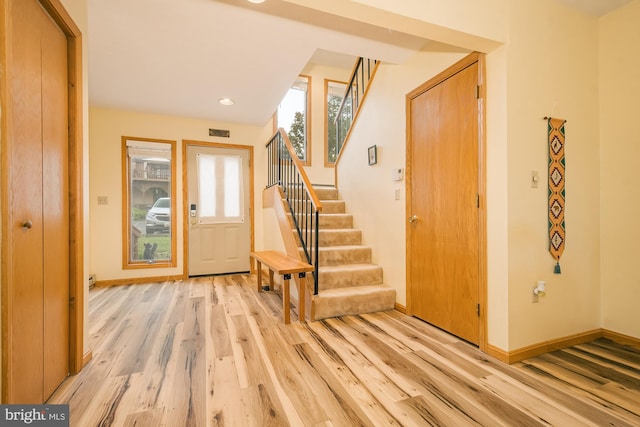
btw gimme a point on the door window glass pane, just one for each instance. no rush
(207, 185)
(220, 194)
(232, 180)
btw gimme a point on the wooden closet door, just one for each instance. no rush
(25, 317)
(55, 198)
(37, 357)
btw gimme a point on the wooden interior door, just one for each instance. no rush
(443, 229)
(55, 206)
(37, 318)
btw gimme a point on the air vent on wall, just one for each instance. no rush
(220, 132)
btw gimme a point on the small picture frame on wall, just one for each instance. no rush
(373, 155)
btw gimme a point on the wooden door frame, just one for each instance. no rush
(472, 58)
(185, 187)
(63, 20)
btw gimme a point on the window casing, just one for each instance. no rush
(149, 195)
(294, 115)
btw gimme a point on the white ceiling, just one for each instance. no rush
(179, 57)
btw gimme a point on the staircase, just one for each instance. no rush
(348, 282)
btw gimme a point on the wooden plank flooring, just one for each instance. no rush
(214, 352)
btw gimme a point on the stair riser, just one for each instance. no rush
(339, 256)
(336, 221)
(340, 237)
(336, 237)
(383, 299)
(336, 256)
(323, 192)
(340, 279)
(327, 222)
(326, 193)
(328, 206)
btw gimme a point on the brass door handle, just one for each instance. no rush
(413, 218)
(27, 225)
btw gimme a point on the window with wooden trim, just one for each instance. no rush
(333, 95)
(294, 116)
(149, 226)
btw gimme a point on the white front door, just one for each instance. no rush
(218, 210)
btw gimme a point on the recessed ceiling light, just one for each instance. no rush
(256, 1)
(226, 101)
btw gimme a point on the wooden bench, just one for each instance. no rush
(280, 263)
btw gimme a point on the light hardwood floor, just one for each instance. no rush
(212, 351)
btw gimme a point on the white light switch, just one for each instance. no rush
(535, 178)
(398, 174)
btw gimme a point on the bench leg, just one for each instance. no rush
(259, 275)
(302, 291)
(286, 297)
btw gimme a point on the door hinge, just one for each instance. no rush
(477, 91)
(477, 200)
(478, 309)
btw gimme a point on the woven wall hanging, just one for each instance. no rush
(557, 234)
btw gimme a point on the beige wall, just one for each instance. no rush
(497, 201)
(485, 19)
(477, 25)
(549, 66)
(370, 190)
(552, 70)
(107, 128)
(620, 174)
(383, 123)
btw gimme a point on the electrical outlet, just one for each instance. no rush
(103, 200)
(534, 297)
(397, 194)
